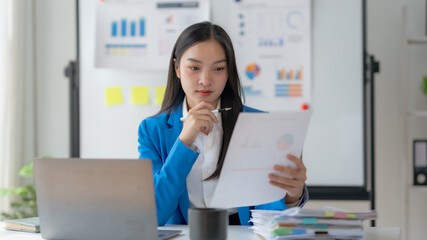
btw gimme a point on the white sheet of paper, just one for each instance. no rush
(259, 141)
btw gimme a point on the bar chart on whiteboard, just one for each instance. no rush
(141, 34)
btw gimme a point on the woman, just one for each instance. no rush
(187, 142)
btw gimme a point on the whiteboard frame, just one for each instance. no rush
(317, 192)
(357, 192)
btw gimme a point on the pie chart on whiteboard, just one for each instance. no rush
(252, 71)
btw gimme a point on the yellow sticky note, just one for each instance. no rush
(351, 215)
(159, 94)
(113, 96)
(140, 95)
(329, 214)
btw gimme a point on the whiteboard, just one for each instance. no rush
(334, 148)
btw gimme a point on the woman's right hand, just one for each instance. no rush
(199, 119)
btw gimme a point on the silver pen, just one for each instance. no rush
(220, 110)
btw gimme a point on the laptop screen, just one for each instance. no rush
(95, 198)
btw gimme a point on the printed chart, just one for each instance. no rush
(141, 34)
(273, 48)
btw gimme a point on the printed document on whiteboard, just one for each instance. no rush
(259, 141)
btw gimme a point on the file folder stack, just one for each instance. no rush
(299, 223)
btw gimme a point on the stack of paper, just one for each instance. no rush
(298, 223)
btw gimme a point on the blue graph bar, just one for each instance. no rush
(193, 4)
(114, 29)
(282, 90)
(142, 27)
(132, 28)
(126, 45)
(123, 27)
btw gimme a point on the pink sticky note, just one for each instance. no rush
(340, 215)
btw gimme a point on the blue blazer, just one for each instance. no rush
(172, 162)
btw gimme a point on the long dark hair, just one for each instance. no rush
(232, 93)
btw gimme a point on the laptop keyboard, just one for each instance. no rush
(166, 234)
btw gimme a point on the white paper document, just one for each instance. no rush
(259, 141)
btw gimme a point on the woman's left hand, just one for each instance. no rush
(295, 180)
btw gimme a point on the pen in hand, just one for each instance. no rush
(213, 111)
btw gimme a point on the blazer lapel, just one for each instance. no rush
(174, 127)
(172, 133)
(244, 215)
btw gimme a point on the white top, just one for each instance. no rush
(200, 192)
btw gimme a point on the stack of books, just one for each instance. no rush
(24, 224)
(299, 223)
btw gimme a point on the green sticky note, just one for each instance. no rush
(281, 231)
(159, 94)
(140, 95)
(424, 85)
(113, 96)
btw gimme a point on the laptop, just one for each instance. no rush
(97, 199)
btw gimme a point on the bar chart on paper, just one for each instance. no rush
(290, 74)
(126, 37)
(141, 34)
(122, 34)
(126, 29)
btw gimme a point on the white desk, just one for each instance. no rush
(244, 233)
(234, 233)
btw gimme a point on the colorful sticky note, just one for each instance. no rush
(281, 231)
(113, 96)
(351, 215)
(299, 231)
(329, 214)
(340, 215)
(140, 95)
(320, 226)
(310, 221)
(424, 85)
(159, 94)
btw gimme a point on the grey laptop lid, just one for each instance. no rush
(95, 199)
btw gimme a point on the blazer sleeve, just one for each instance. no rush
(170, 170)
(280, 204)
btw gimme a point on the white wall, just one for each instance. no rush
(55, 46)
(415, 127)
(398, 203)
(396, 93)
(384, 41)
